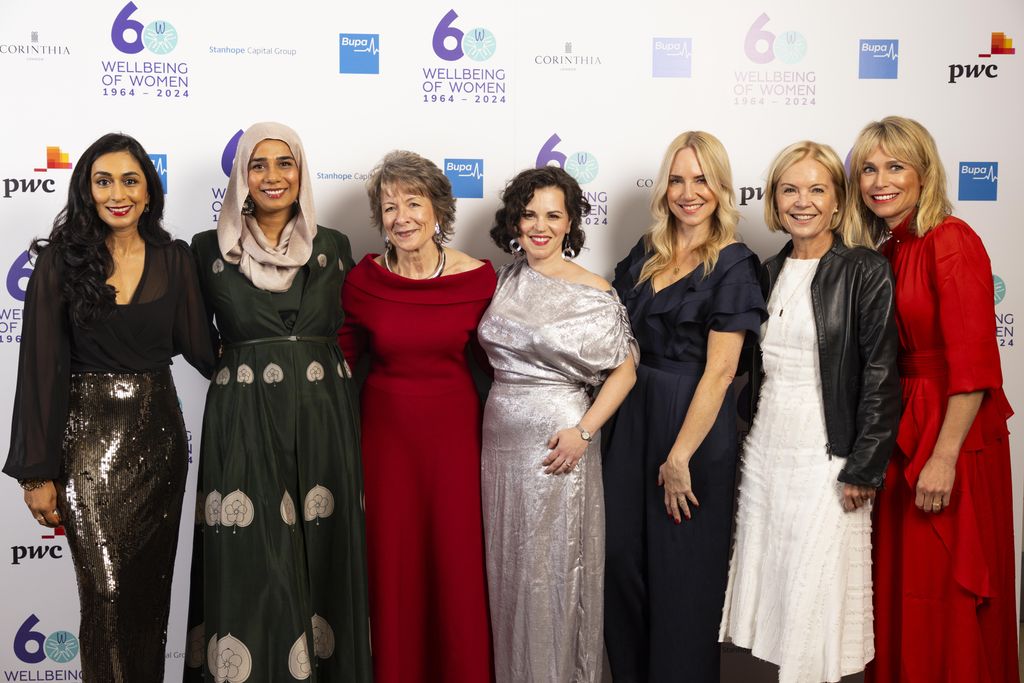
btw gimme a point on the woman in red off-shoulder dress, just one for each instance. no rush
(944, 567)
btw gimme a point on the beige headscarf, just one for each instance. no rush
(240, 238)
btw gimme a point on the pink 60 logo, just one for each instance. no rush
(762, 46)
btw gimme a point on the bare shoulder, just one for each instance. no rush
(581, 276)
(459, 262)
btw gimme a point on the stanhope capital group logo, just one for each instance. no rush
(879, 58)
(979, 181)
(672, 57)
(359, 53)
(466, 177)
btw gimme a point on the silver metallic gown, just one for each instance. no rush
(550, 343)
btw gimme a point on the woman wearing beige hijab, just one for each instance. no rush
(279, 578)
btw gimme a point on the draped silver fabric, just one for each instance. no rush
(550, 343)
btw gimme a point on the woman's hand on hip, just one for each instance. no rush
(856, 497)
(567, 449)
(42, 502)
(674, 475)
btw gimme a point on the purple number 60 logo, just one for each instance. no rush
(20, 270)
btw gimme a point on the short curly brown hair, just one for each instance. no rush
(518, 193)
(410, 171)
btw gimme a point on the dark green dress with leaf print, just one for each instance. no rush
(279, 565)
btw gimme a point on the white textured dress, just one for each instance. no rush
(799, 592)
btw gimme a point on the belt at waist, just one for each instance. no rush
(273, 340)
(922, 363)
(676, 367)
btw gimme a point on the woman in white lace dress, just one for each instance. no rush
(799, 592)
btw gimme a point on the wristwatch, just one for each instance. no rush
(584, 433)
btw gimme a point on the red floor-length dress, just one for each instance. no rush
(944, 583)
(421, 420)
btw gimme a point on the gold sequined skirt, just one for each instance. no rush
(125, 464)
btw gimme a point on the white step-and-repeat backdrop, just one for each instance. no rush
(483, 89)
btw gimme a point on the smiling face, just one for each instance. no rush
(889, 187)
(689, 198)
(544, 224)
(273, 178)
(407, 216)
(805, 199)
(119, 190)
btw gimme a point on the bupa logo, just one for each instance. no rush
(763, 46)
(33, 647)
(879, 58)
(451, 44)
(466, 177)
(672, 57)
(160, 164)
(227, 157)
(131, 37)
(1001, 45)
(979, 181)
(359, 53)
(55, 160)
(582, 166)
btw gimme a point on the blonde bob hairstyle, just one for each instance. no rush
(826, 156)
(911, 143)
(660, 237)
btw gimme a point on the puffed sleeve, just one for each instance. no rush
(44, 376)
(966, 296)
(878, 412)
(191, 323)
(737, 303)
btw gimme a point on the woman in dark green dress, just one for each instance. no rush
(279, 574)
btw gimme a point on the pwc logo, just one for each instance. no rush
(1001, 45)
(451, 44)
(55, 160)
(43, 551)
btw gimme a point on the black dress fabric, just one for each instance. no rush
(665, 583)
(165, 317)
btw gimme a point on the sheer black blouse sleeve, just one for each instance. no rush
(192, 328)
(44, 376)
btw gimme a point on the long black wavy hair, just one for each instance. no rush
(79, 235)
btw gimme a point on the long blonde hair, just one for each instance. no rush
(714, 163)
(910, 142)
(851, 232)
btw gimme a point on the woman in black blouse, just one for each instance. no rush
(97, 439)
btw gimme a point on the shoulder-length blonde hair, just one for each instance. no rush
(714, 163)
(849, 231)
(910, 142)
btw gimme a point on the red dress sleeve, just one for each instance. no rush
(966, 308)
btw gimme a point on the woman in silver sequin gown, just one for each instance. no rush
(554, 333)
(97, 439)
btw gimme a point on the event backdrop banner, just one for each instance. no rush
(484, 90)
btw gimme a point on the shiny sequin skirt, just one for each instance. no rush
(125, 463)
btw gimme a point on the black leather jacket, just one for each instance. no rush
(852, 296)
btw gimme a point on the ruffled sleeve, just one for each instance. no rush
(627, 271)
(736, 302)
(44, 376)
(963, 275)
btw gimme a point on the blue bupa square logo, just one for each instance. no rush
(466, 177)
(359, 53)
(672, 57)
(160, 163)
(979, 181)
(879, 58)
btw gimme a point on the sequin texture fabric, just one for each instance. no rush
(125, 463)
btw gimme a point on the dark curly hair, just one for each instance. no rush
(519, 192)
(79, 235)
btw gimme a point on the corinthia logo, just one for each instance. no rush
(569, 60)
(34, 50)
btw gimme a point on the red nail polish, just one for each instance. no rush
(677, 521)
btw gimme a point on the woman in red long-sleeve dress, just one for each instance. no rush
(944, 567)
(415, 309)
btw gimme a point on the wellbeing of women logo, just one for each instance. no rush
(464, 73)
(133, 33)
